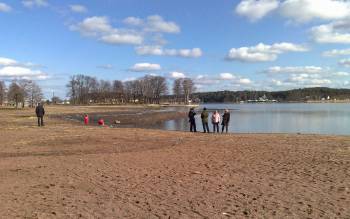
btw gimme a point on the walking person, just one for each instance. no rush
(40, 112)
(215, 120)
(225, 120)
(204, 117)
(192, 120)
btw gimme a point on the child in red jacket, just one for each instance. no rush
(86, 119)
(101, 122)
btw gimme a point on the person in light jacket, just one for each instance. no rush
(215, 120)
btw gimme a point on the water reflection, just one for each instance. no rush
(277, 118)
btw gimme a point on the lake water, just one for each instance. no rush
(314, 118)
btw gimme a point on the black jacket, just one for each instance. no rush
(40, 111)
(191, 115)
(225, 119)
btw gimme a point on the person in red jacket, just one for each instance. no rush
(101, 122)
(86, 119)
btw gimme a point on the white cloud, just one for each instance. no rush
(156, 23)
(276, 82)
(263, 52)
(336, 52)
(307, 10)
(7, 61)
(256, 9)
(122, 38)
(244, 81)
(345, 62)
(159, 51)
(78, 8)
(152, 28)
(341, 74)
(304, 76)
(176, 75)
(10, 68)
(295, 70)
(21, 72)
(225, 80)
(35, 3)
(100, 28)
(234, 79)
(335, 32)
(190, 53)
(135, 21)
(206, 80)
(94, 26)
(300, 11)
(142, 67)
(227, 76)
(4, 7)
(308, 80)
(153, 23)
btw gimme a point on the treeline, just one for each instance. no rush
(83, 89)
(20, 93)
(298, 95)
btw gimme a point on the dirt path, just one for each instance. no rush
(69, 171)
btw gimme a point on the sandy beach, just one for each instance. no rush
(67, 170)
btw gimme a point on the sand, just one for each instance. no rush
(66, 170)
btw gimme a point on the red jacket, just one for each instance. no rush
(101, 122)
(86, 120)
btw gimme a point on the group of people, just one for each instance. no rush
(100, 121)
(215, 120)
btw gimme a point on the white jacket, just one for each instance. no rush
(215, 118)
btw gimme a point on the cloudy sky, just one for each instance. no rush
(221, 44)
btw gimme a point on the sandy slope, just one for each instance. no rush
(69, 171)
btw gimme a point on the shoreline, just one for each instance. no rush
(67, 170)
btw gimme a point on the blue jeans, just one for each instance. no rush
(216, 126)
(205, 127)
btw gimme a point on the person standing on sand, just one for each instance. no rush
(204, 117)
(215, 120)
(225, 120)
(40, 112)
(192, 120)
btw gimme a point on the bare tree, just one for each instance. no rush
(118, 90)
(15, 93)
(188, 88)
(72, 89)
(159, 88)
(105, 91)
(177, 89)
(131, 90)
(84, 89)
(2, 92)
(32, 92)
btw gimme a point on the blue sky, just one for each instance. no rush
(222, 45)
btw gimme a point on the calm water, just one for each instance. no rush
(318, 118)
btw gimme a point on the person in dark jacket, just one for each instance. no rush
(192, 120)
(225, 120)
(40, 112)
(204, 117)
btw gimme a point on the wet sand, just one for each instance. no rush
(66, 170)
